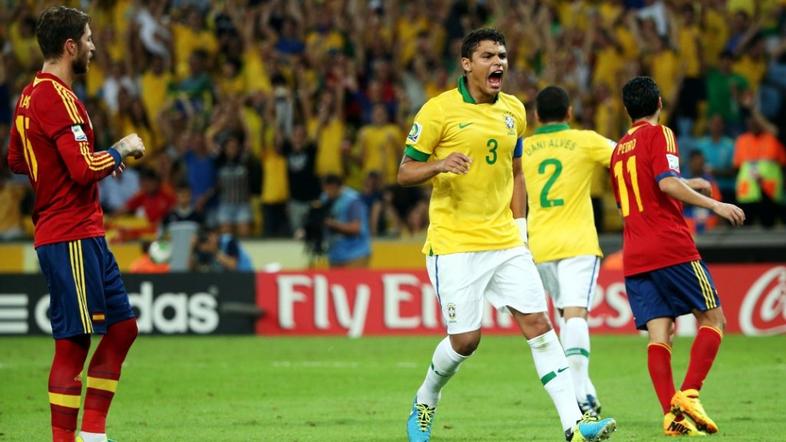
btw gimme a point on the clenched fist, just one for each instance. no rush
(456, 162)
(730, 212)
(130, 145)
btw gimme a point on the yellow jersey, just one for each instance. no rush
(329, 157)
(379, 145)
(469, 213)
(558, 164)
(689, 37)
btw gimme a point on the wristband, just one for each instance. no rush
(116, 155)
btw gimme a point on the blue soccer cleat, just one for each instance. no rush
(591, 429)
(419, 422)
(590, 405)
(594, 403)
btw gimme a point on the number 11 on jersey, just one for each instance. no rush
(623, 190)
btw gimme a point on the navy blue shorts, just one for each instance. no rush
(670, 292)
(86, 291)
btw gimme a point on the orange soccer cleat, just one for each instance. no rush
(680, 425)
(688, 402)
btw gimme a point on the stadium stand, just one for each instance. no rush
(248, 103)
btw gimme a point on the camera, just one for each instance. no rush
(314, 227)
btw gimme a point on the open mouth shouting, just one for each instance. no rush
(495, 79)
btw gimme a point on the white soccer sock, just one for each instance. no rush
(93, 437)
(444, 365)
(591, 388)
(561, 325)
(552, 367)
(577, 349)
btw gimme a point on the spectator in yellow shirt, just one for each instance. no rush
(11, 195)
(189, 37)
(330, 133)
(379, 146)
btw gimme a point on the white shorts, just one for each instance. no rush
(505, 278)
(571, 281)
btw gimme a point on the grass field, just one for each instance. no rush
(337, 389)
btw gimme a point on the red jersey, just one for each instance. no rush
(156, 205)
(52, 143)
(655, 232)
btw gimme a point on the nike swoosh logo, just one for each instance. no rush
(562, 369)
(463, 125)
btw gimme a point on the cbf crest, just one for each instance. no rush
(452, 311)
(510, 124)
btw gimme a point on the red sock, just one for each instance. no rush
(702, 355)
(65, 385)
(659, 364)
(104, 372)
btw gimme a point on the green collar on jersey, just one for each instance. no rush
(464, 90)
(552, 127)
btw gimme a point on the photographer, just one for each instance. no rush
(214, 252)
(345, 225)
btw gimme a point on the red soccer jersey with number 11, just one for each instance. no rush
(655, 232)
(52, 143)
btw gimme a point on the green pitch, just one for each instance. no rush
(337, 389)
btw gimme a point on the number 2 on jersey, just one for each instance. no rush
(623, 190)
(22, 124)
(545, 202)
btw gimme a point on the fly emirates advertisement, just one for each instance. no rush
(373, 302)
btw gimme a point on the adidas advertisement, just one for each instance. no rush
(198, 304)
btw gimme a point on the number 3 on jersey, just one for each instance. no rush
(623, 190)
(545, 202)
(491, 145)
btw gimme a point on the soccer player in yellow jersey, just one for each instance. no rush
(467, 142)
(558, 163)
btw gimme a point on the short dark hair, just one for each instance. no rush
(640, 97)
(55, 26)
(695, 153)
(332, 179)
(726, 54)
(147, 173)
(552, 104)
(473, 39)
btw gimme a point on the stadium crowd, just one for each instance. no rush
(247, 106)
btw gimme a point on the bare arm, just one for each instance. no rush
(412, 172)
(229, 262)
(518, 205)
(679, 189)
(699, 185)
(350, 228)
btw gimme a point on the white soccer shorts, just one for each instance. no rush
(506, 278)
(571, 281)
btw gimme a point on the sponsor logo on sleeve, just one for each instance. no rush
(674, 162)
(414, 133)
(79, 134)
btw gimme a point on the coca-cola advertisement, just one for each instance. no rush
(372, 302)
